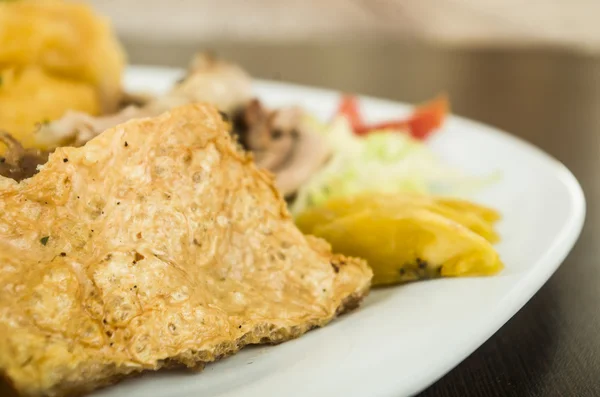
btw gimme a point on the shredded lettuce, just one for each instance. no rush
(382, 161)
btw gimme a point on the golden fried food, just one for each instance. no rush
(156, 244)
(407, 237)
(477, 218)
(59, 55)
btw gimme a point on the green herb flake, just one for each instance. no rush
(44, 240)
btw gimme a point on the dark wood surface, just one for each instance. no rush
(548, 97)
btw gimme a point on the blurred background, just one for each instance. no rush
(568, 24)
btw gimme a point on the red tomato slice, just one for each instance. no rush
(425, 119)
(429, 117)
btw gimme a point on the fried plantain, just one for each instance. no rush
(408, 237)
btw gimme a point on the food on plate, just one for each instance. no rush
(55, 56)
(159, 243)
(312, 163)
(407, 237)
(161, 237)
(384, 161)
(208, 79)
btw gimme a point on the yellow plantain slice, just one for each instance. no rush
(475, 217)
(409, 237)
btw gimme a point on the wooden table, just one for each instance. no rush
(548, 97)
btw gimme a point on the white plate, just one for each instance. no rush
(405, 338)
